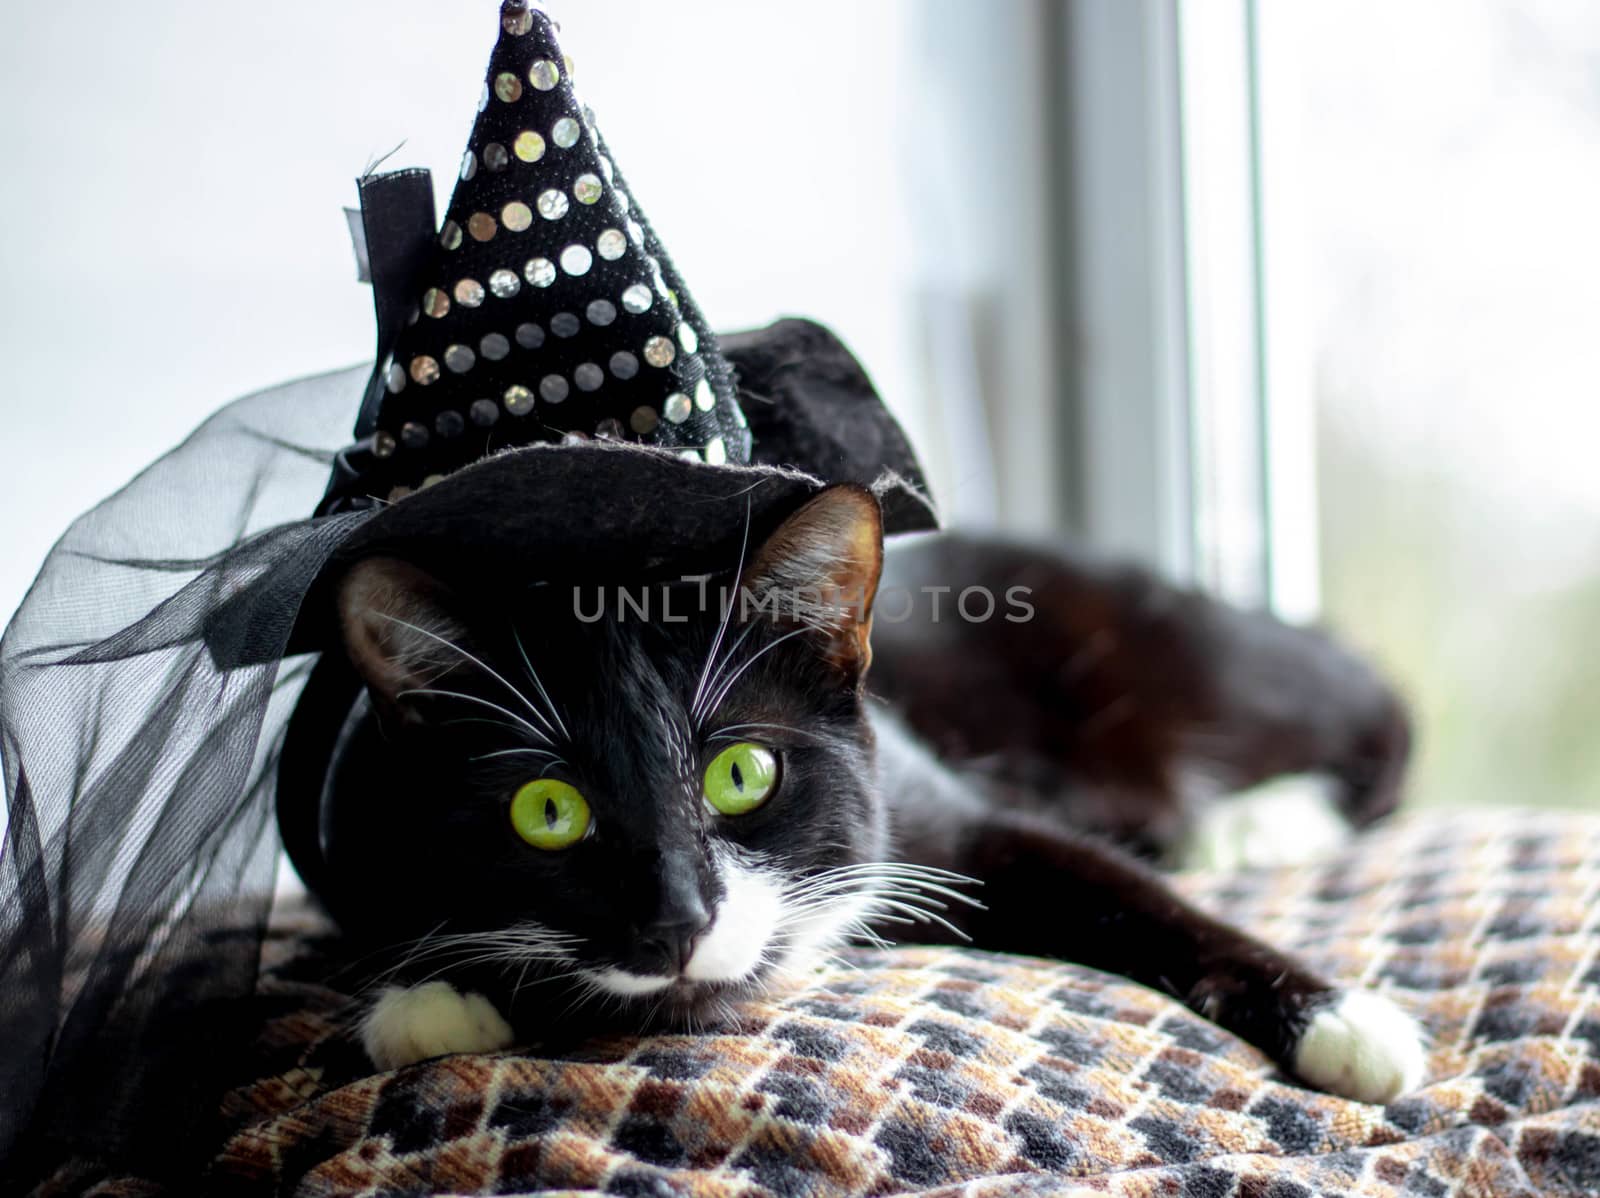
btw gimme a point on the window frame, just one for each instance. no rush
(1188, 390)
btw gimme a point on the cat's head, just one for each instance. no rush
(664, 796)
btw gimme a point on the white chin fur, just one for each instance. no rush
(732, 948)
(627, 985)
(1362, 1046)
(430, 1020)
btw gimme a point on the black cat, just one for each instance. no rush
(564, 810)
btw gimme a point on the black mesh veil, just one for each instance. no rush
(147, 681)
(139, 850)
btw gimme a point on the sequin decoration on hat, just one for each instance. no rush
(544, 213)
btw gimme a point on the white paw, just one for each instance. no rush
(430, 1020)
(1362, 1046)
(1289, 821)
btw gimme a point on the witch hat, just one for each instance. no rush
(548, 308)
(546, 404)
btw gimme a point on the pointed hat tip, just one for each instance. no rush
(515, 18)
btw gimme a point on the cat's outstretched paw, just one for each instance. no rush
(1289, 821)
(1361, 1046)
(409, 1024)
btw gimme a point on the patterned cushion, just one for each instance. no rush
(939, 1070)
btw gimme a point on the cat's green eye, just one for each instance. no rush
(741, 778)
(549, 814)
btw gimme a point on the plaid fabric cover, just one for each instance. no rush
(945, 1071)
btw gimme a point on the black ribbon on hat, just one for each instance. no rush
(393, 233)
(398, 226)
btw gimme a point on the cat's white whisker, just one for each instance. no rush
(724, 688)
(533, 675)
(582, 992)
(480, 663)
(655, 1009)
(727, 614)
(514, 729)
(698, 713)
(861, 929)
(922, 915)
(498, 956)
(910, 884)
(461, 954)
(415, 947)
(546, 979)
(510, 715)
(731, 731)
(850, 885)
(526, 943)
(553, 756)
(900, 867)
(887, 892)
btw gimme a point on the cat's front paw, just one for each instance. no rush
(1361, 1046)
(409, 1024)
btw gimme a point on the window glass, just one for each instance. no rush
(1451, 164)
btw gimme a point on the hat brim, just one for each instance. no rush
(601, 511)
(597, 512)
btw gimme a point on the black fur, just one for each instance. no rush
(418, 844)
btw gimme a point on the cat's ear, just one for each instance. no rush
(822, 567)
(399, 628)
